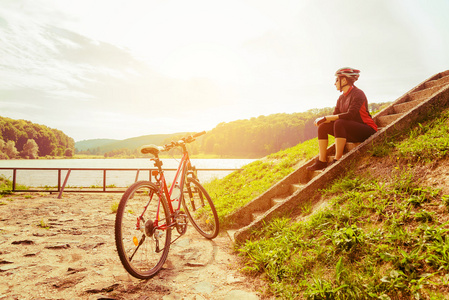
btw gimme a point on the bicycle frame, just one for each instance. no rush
(179, 178)
(181, 172)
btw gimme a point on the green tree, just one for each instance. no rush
(68, 152)
(10, 149)
(46, 142)
(30, 149)
(2, 149)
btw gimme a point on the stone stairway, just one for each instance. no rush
(301, 186)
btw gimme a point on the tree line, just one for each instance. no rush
(258, 137)
(253, 138)
(21, 138)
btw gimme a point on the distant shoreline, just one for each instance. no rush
(209, 156)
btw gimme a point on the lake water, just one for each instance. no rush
(78, 178)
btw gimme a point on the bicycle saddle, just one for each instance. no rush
(151, 149)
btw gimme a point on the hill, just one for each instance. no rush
(379, 232)
(101, 146)
(92, 144)
(30, 140)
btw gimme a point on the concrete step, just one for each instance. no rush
(437, 82)
(406, 106)
(424, 93)
(387, 120)
(231, 233)
(295, 187)
(351, 146)
(276, 201)
(256, 215)
(304, 179)
(316, 173)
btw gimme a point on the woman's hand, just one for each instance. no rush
(319, 121)
(325, 119)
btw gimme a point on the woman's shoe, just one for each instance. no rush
(318, 165)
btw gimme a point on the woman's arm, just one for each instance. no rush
(331, 118)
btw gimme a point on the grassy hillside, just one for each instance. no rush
(238, 188)
(381, 231)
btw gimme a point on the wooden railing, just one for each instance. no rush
(61, 185)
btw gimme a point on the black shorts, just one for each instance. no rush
(352, 131)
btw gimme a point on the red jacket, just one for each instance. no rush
(354, 106)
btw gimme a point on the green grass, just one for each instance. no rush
(114, 207)
(240, 187)
(427, 142)
(97, 186)
(379, 238)
(43, 224)
(5, 186)
(371, 242)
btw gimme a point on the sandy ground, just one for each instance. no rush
(75, 258)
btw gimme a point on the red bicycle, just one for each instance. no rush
(148, 212)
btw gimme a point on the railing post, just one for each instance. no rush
(65, 182)
(59, 180)
(14, 179)
(104, 180)
(137, 175)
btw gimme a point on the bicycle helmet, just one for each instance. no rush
(348, 72)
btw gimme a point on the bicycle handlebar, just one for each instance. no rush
(184, 140)
(199, 134)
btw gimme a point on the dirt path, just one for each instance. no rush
(75, 258)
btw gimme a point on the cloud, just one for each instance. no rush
(51, 74)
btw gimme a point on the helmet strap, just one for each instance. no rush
(342, 86)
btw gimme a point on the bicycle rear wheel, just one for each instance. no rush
(200, 209)
(142, 237)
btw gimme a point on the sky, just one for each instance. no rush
(121, 69)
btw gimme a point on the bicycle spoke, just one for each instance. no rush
(138, 246)
(200, 209)
(142, 257)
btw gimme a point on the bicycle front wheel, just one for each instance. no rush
(142, 236)
(200, 209)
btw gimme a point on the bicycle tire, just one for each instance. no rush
(145, 257)
(200, 209)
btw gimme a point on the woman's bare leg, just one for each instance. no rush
(322, 144)
(339, 147)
